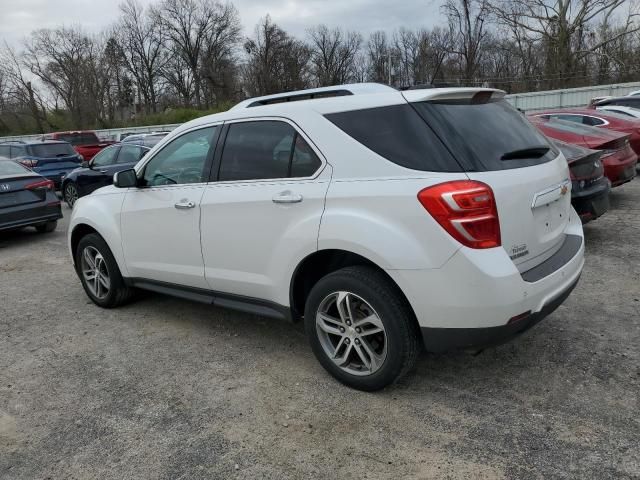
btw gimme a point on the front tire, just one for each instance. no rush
(70, 194)
(47, 227)
(99, 273)
(361, 328)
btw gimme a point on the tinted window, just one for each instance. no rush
(304, 162)
(398, 134)
(105, 157)
(257, 150)
(592, 121)
(487, 136)
(4, 151)
(18, 151)
(182, 160)
(51, 150)
(130, 154)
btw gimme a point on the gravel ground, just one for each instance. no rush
(164, 388)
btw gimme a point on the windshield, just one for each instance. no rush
(51, 150)
(487, 136)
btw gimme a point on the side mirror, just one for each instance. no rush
(125, 179)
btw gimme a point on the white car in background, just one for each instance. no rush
(385, 220)
(621, 109)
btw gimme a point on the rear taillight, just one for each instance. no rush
(466, 209)
(28, 162)
(41, 185)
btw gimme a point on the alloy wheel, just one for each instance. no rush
(95, 273)
(71, 194)
(351, 333)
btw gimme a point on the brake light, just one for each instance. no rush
(28, 162)
(40, 185)
(466, 209)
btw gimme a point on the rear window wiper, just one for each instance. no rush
(531, 152)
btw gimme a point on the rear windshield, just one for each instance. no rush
(7, 167)
(78, 138)
(51, 150)
(398, 134)
(487, 136)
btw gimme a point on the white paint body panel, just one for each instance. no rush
(237, 240)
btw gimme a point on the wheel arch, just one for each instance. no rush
(321, 263)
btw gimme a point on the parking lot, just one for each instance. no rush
(165, 388)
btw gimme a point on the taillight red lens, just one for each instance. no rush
(41, 185)
(466, 209)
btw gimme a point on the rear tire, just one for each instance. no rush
(361, 328)
(70, 194)
(47, 227)
(99, 273)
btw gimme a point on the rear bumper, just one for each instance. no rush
(439, 340)
(619, 172)
(477, 293)
(25, 217)
(591, 202)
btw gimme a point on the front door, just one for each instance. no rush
(262, 215)
(161, 218)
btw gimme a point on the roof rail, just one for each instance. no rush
(13, 141)
(312, 93)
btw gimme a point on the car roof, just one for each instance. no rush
(592, 112)
(323, 101)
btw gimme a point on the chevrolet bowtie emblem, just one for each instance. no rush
(563, 190)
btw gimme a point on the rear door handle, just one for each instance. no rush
(287, 197)
(184, 205)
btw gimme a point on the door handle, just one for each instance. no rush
(287, 197)
(103, 171)
(184, 205)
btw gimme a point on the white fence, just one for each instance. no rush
(569, 97)
(529, 102)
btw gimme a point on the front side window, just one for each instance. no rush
(266, 149)
(105, 157)
(182, 161)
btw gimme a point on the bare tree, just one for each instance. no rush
(276, 61)
(142, 39)
(563, 28)
(468, 22)
(333, 54)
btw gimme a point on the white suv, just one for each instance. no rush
(386, 220)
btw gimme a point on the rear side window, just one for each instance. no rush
(398, 134)
(265, 149)
(51, 150)
(487, 136)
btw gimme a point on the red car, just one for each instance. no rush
(85, 142)
(618, 158)
(598, 118)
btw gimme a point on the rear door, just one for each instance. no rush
(496, 145)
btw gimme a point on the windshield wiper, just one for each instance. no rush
(532, 152)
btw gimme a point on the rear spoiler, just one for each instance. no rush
(453, 95)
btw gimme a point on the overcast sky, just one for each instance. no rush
(19, 17)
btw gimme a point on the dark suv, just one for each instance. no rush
(51, 159)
